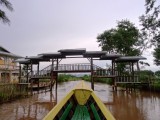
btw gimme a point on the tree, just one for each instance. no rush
(150, 22)
(157, 73)
(3, 16)
(156, 55)
(124, 39)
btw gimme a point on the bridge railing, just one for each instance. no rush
(46, 72)
(104, 72)
(127, 79)
(72, 67)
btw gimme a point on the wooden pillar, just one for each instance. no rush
(113, 81)
(51, 96)
(92, 81)
(138, 69)
(31, 81)
(27, 75)
(133, 71)
(20, 73)
(56, 79)
(38, 69)
(130, 66)
(52, 76)
(38, 75)
(51, 85)
(112, 67)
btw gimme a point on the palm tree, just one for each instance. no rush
(3, 16)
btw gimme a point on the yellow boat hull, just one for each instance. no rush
(83, 97)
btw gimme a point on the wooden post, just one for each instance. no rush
(20, 73)
(56, 79)
(20, 77)
(115, 85)
(27, 75)
(92, 81)
(31, 79)
(38, 76)
(51, 86)
(133, 71)
(112, 67)
(113, 81)
(38, 69)
(138, 69)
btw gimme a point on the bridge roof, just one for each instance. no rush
(130, 59)
(33, 59)
(23, 61)
(110, 56)
(79, 51)
(94, 54)
(74, 52)
(51, 55)
(37, 59)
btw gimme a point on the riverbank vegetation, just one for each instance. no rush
(66, 77)
(150, 80)
(10, 92)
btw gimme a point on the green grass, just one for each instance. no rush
(66, 77)
(156, 86)
(10, 92)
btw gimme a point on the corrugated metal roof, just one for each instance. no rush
(35, 57)
(2, 49)
(94, 54)
(130, 58)
(9, 55)
(78, 51)
(110, 56)
(23, 61)
(52, 55)
(5, 52)
(66, 53)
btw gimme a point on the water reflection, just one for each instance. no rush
(34, 108)
(123, 105)
(135, 105)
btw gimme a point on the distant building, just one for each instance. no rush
(9, 71)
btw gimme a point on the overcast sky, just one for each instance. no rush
(39, 26)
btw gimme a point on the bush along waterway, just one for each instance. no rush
(124, 105)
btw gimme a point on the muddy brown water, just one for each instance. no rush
(123, 105)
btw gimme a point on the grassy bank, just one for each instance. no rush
(66, 77)
(10, 92)
(101, 80)
(155, 86)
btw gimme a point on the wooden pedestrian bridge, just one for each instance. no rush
(51, 71)
(69, 68)
(98, 72)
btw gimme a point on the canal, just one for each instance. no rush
(123, 105)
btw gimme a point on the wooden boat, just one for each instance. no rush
(81, 103)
